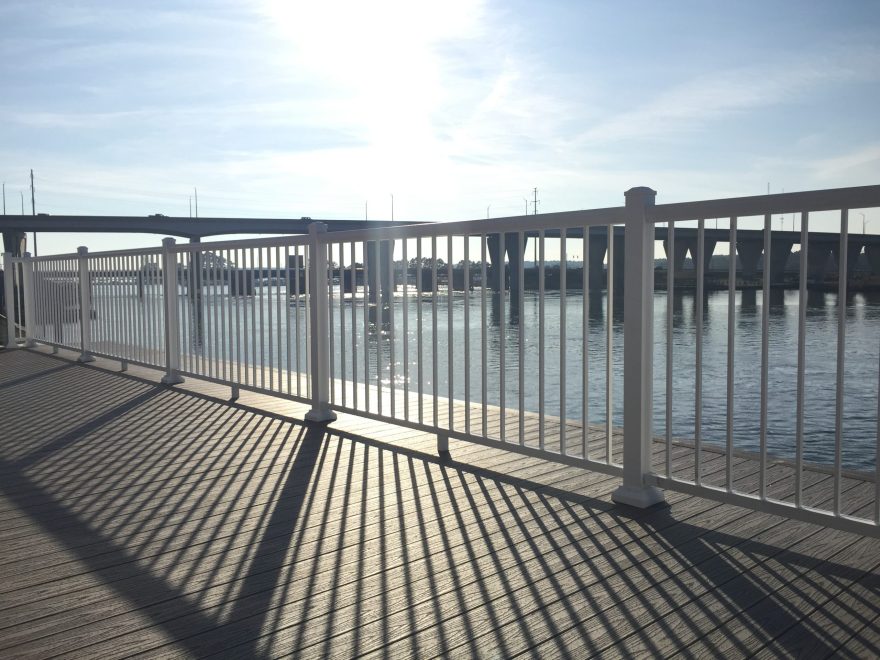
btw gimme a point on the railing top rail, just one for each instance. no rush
(270, 242)
(52, 257)
(94, 255)
(813, 200)
(137, 252)
(565, 219)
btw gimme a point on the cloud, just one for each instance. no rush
(861, 164)
(693, 105)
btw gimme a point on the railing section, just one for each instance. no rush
(435, 327)
(56, 301)
(445, 328)
(242, 314)
(126, 319)
(782, 466)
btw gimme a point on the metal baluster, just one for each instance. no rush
(698, 362)
(841, 355)
(801, 361)
(765, 361)
(563, 275)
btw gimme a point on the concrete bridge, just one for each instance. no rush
(749, 251)
(749, 248)
(14, 227)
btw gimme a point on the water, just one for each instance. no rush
(505, 327)
(859, 435)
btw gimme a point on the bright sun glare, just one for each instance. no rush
(382, 62)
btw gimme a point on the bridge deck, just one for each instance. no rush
(141, 519)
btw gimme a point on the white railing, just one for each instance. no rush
(243, 315)
(434, 327)
(433, 347)
(783, 493)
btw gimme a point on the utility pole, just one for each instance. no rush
(535, 207)
(487, 211)
(33, 210)
(21, 192)
(782, 219)
(196, 191)
(392, 207)
(4, 198)
(366, 210)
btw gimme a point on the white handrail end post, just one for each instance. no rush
(27, 282)
(9, 298)
(172, 326)
(638, 353)
(319, 326)
(85, 305)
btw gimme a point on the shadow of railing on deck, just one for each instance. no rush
(231, 530)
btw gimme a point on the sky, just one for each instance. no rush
(457, 109)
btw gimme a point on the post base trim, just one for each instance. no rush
(321, 416)
(640, 497)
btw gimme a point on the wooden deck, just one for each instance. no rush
(138, 519)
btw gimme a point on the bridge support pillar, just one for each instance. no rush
(748, 253)
(619, 263)
(708, 249)
(817, 261)
(780, 250)
(15, 242)
(515, 257)
(296, 276)
(853, 250)
(677, 259)
(194, 294)
(689, 245)
(872, 252)
(241, 282)
(385, 274)
(380, 284)
(598, 247)
(496, 260)
(372, 265)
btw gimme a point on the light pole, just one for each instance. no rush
(392, 207)
(864, 224)
(487, 211)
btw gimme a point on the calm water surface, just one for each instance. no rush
(862, 371)
(507, 326)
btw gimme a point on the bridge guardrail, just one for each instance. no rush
(363, 322)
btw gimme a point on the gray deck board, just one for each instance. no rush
(138, 519)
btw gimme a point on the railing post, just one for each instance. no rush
(27, 283)
(638, 353)
(172, 325)
(319, 315)
(9, 298)
(85, 306)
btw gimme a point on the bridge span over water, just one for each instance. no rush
(823, 246)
